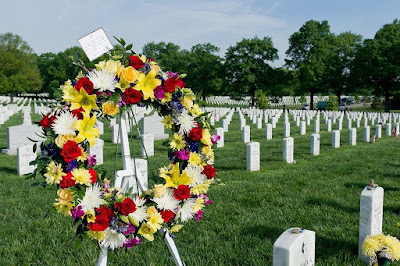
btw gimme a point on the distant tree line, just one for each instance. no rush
(317, 62)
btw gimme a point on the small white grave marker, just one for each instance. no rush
(253, 156)
(303, 128)
(25, 155)
(315, 144)
(288, 149)
(246, 134)
(147, 147)
(220, 133)
(367, 134)
(336, 139)
(378, 131)
(268, 131)
(97, 150)
(353, 136)
(286, 130)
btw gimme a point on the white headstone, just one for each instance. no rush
(153, 125)
(25, 155)
(253, 156)
(147, 145)
(378, 131)
(18, 136)
(367, 136)
(246, 134)
(336, 139)
(349, 123)
(225, 125)
(259, 123)
(316, 126)
(303, 128)
(295, 249)
(220, 133)
(329, 125)
(286, 130)
(388, 130)
(115, 134)
(268, 131)
(100, 126)
(315, 144)
(371, 216)
(97, 150)
(353, 136)
(288, 150)
(340, 124)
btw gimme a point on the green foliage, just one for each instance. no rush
(332, 103)
(261, 100)
(377, 104)
(247, 68)
(18, 72)
(303, 99)
(169, 55)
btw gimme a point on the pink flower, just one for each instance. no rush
(159, 92)
(77, 212)
(91, 160)
(130, 229)
(215, 138)
(198, 215)
(172, 74)
(183, 155)
(132, 242)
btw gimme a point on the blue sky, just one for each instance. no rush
(54, 25)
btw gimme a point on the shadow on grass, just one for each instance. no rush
(263, 232)
(331, 203)
(331, 247)
(8, 170)
(363, 185)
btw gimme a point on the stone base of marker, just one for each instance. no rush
(253, 156)
(315, 144)
(371, 216)
(288, 150)
(295, 247)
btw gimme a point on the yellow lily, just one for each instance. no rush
(176, 179)
(147, 84)
(86, 129)
(84, 100)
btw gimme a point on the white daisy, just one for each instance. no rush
(92, 198)
(194, 171)
(187, 212)
(103, 80)
(139, 201)
(186, 122)
(140, 214)
(167, 201)
(63, 124)
(113, 239)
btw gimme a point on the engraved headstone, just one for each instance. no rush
(353, 136)
(315, 144)
(329, 125)
(259, 123)
(253, 156)
(288, 150)
(153, 125)
(388, 130)
(378, 131)
(97, 150)
(220, 133)
(246, 134)
(268, 131)
(25, 155)
(18, 136)
(316, 126)
(336, 139)
(147, 145)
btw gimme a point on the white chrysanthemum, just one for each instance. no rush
(63, 124)
(140, 214)
(92, 198)
(194, 171)
(186, 122)
(112, 239)
(166, 201)
(187, 212)
(139, 201)
(103, 80)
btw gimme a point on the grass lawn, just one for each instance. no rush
(250, 210)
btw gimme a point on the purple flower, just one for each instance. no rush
(77, 212)
(132, 242)
(108, 94)
(193, 146)
(91, 160)
(119, 104)
(172, 74)
(198, 215)
(183, 155)
(129, 229)
(71, 165)
(207, 200)
(215, 138)
(159, 92)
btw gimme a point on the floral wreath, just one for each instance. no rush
(105, 213)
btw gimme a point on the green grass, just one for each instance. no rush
(251, 209)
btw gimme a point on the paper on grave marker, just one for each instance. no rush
(95, 44)
(173, 249)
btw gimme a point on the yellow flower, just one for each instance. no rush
(98, 235)
(195, 110)
(84, 100)
(81, 176)
(83, 156)
(167, 121)
(159, 190)
(176, 228)
(128, 74)
(206, 137)
(109, 108)
(54, 173)
(178, 142)
(370, 246)
(90, 216)
(187, 102)
(62, 139)
(155, 220)
(147, 231)
(199, 204)
(110, 66)
(200, 189)
(176, 179)
(86, 129)
(167, 98)
(194, 159)
(154, 66)
(147, 84)
(208, 151)
(64, 208)
(68, 91)
(65, 196)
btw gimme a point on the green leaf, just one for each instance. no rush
(35, 184)
(34, 147)
(122, 42)
(129, 47)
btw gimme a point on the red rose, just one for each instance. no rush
(171, 83)
(126, 207)
(136, 62)
(180, 83)
(93, 174)
(182, 192)
(86, 84)
(78, 113)
(70, 151)
(209, 171)
(47, 120)
(132, 96)
(167, 215)
(100, 224)
(196, 133)
(105, 211)
(67, 181)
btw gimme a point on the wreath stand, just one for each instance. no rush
(130, 177)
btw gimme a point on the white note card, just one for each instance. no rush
(95, 44)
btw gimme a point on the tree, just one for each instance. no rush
(18, 72)
(205, 69)
(377, 66)
(169, 55)
(247, 68)
(308, 51)
(337, 71)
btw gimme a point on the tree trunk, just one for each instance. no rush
(12, 94)
(312, 100)
(253, 92)
(387, 106)
(338, 94)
